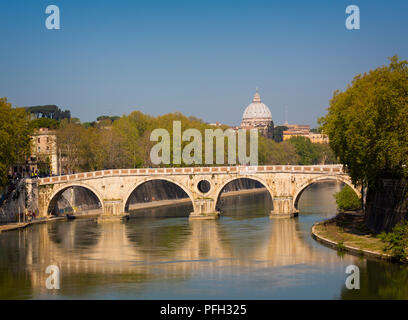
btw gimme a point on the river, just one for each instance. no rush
(243, 255)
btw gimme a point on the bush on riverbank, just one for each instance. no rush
(397, 240)
(347, 199)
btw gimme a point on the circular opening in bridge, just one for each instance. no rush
(204, 186)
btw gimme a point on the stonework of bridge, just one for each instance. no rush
(114, 187)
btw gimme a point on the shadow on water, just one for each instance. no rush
(171, 211)
(246, 206)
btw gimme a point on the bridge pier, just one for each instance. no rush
(204, 209)
(112, 210)
(283, 208)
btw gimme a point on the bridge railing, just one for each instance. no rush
(328, 169)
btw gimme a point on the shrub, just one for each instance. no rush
(347, 199)
(397, 240)
(340, 246)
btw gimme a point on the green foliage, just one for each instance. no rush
(325, 154)
(368, 123)
(14, 137)
(49, 111)
(44, 166)
(397, 240)
(347, 199)
(271, 152)
(44, 123)
(110, 118)
(340, 246)
(305, 149)
(312, 153)
(278, 133)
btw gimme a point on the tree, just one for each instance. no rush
(325, 154)
(44, 165)
(14, 137)
(271, 152)
(397, 241)
(368, 124)
(347, 199)
(49, 111)
(44, 123)
(91, 150)
(68, 145)
(305, 149)
(278, 133)
(128, 133)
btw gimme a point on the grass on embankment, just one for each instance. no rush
(348, 230)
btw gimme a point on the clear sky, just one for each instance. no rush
(202, 58)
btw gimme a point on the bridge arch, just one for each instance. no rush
(250, 177)
(156, 178)
(300, 190)
(60, 190)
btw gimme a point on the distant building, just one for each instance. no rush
(43, 150)
(298, 130)
(318, 138)
(45, 146)
(258, 116)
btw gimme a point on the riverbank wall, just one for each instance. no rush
(342, 239)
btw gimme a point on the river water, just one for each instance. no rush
(243, 255)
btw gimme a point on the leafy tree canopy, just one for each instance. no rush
(368, 123)
(347, 199)
(305, 149)
(14, 137)
(49, 111)
(44, 123)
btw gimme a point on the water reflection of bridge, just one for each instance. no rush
(167, 251)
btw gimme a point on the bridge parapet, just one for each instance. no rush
(327, 169)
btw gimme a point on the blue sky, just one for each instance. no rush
(202, 58)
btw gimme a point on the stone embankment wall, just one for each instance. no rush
(19, 197)
(387, 205)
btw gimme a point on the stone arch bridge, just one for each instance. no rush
(114, 187)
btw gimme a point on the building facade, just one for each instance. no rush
(299, 130)
(44, 148)
(43, 153)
